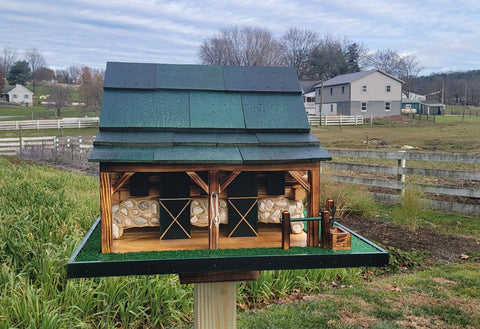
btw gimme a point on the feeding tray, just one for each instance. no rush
(340, 239)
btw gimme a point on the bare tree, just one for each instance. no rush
(36, 61)
(245, 46)
(7, 59)
(297, 46)
(74, 73)
(91, 87)
(45, 74)
(60, 96)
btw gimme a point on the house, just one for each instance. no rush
(17, 94)
(370, 93)
(410, 106)
(308, 93)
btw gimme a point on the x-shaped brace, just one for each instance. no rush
(175, 218)
(243, 219)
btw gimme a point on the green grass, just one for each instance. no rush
(427, 136)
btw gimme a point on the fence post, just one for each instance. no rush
(402, 162)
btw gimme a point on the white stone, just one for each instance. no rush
(261, 206)
(124, 211)
(197, 210)
(270, 204)
(223, 218)
(275, 217)
(194, 219)
(143, 205)
(128, 221)
(147, 214)
(114, 208)
(282, 203)
(117, 220)
(297, 227)
(155, 221)
(154, 208)
(292, 209)
(222, 204)
(135, 212)
(115, 231)
(128, 203)
(195, 203)
(140, 221)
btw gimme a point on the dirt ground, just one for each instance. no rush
(441, 247)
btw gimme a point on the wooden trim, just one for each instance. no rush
(214, 231)
(228, 180)
(149, 167)
(106, 211)
(121, 181)
(198, 180)
(187, 278)
(314, 207)
(299, 178)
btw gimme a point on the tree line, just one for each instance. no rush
(33, 68)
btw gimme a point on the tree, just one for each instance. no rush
(91, 87)
(45, 74)
(19, 73)
(60, 96)
(245, 46)
(36, 61)
(6, 60)
(328, 59)
(297, 46)
(2, 81)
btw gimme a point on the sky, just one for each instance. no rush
(443, 35)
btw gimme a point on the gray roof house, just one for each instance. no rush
(17, 94)
(369, 93)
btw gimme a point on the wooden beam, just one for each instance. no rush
(121, 181)
(198, 180)
(215, 305)
(299, 178)
(314, 207)
(106, 211)
(213, 212)
(223, 185)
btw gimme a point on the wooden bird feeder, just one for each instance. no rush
(197, 165)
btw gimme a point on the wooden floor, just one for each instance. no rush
(148, 239)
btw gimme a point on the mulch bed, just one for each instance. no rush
(441, 247)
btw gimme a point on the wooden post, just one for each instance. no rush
(214, 195)
(286, 230)
(401, 177)
(314, 207)
(325, 229)
(215, 305)
(106, 211)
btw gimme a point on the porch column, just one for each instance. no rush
(314, 206)
(214, 196)
(106, 211)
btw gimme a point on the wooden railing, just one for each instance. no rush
(51, 124)
(335, 120)
(359, 175)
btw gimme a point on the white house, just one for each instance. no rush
(17, 94)
(366, 93)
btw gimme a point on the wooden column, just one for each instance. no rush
(215, 305)
(106, 211)
(314, 207)
(213, 187)
(286, 230)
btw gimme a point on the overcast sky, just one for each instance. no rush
(442, 35)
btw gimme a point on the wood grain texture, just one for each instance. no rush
(314, 206)
(215, 305)
(213, 187)
(106, 211)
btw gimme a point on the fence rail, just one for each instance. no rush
(65, 123)
(335, 120)
(13, 146)
(358, 171)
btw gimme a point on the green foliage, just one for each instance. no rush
(350, 199)
(411, 208)
(19, 73)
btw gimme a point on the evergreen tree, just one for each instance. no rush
(19, 73)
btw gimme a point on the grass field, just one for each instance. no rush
(448, 134)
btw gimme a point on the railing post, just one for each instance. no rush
(402, 162)
(285, 230)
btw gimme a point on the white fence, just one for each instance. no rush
(335, 120)
(13, 146)
(51, 124)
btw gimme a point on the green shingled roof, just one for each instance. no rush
(163, 113)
